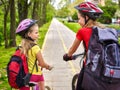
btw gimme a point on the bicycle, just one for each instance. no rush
(75, 77)
(35, 87)
(74, 81)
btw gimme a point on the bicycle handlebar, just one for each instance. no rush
(77, 55)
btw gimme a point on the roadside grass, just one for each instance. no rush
(115, 26)
(75, 26)
(5, 55)
(43, 31)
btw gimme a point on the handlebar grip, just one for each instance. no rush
(77, 55)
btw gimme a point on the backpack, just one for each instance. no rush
(17, 70)
(102, 69)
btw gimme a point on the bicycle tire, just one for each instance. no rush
(46, 88)
(74, 81)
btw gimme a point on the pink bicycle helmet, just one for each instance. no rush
(89, 9)
(24, 26)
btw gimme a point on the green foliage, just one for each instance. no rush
(117, 13)
(115, 26)
(1, 26)
(43, 31)
(73, 26)
(74, 16)
(4, 57)
(108, 14)
(3, 80)
(1, 38)
(109, 11)
(63, 12)
(50, 12)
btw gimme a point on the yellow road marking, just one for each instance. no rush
(43, 46)
(65, 48)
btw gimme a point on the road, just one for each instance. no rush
(58, 40)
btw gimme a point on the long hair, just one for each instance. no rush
(90, 22)
(26, 43)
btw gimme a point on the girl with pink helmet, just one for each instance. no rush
(29, 31)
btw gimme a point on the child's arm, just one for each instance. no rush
(41, 61)
(74, 47)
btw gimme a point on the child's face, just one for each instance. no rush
(81, 20)
(34, 34)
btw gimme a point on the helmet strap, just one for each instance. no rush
(29, 38)
(86, 20)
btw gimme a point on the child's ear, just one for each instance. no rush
(86, 17)
(29, 34)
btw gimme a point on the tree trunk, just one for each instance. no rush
(22, 9)
(5, 30)
(45, 2)
(6, 10)
(36, 14)
(119, 4)
(35, 10)
(12, 42)
(39, 11)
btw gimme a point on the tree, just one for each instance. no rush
(50, 13)
(6, 10)
(119, 3)
(109, 11)
(22, 9)
(36, 12)
(36, 9)
(44, 8)
(12, 42)
(39, 11)
(63, 12)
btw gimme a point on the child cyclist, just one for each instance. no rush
(87, 16)
(29, 31)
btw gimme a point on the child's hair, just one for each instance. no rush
(25, 27)
(91, 22)
(27, 42)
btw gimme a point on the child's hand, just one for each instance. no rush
(67, 58)
(50, 67)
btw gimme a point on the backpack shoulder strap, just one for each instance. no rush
(18, 47)
(35, 64)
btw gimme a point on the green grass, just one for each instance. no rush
(116, 26)
(43, 31)
(73, 26)
(5, 55)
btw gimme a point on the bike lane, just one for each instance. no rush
(58, 39)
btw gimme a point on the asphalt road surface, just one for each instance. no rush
(58, 40)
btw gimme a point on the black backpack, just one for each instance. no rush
(102, 69)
